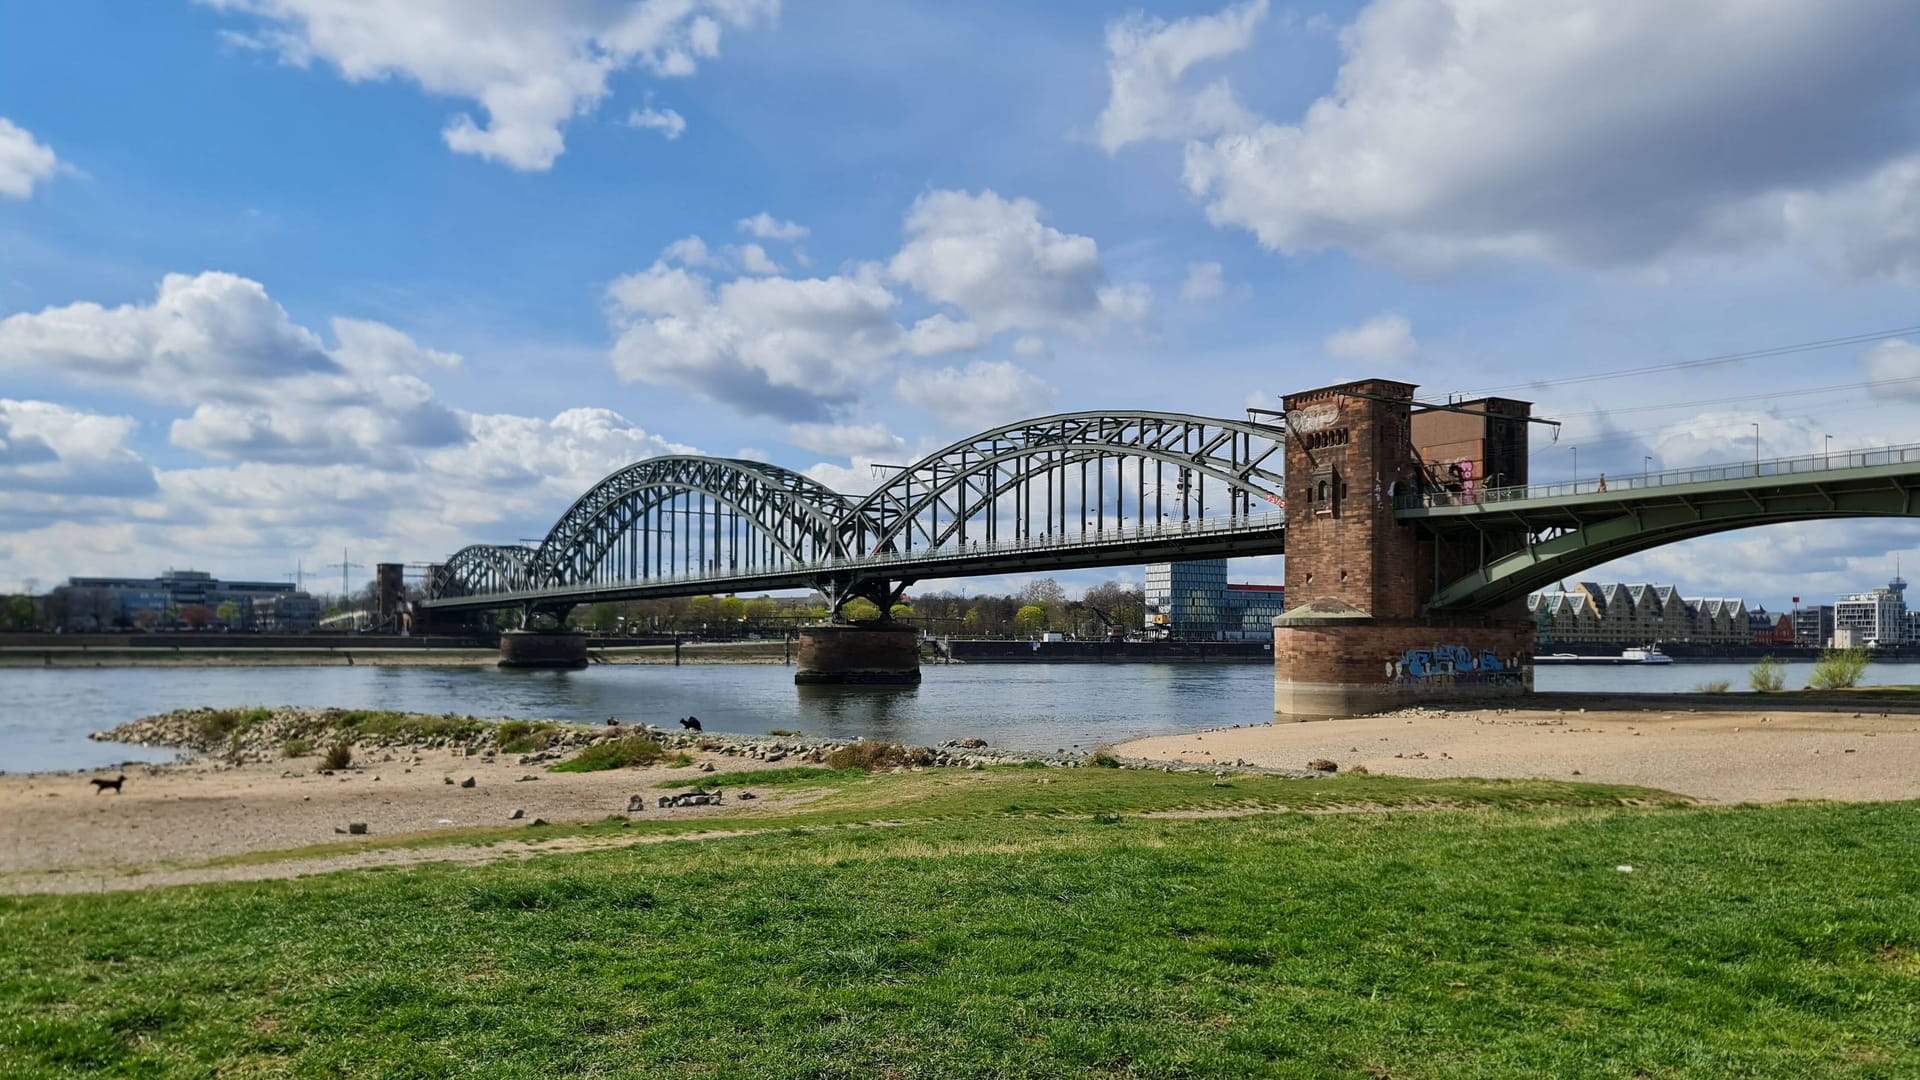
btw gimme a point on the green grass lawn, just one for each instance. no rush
(995, 928)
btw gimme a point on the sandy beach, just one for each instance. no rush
(64, 836)
(1730, 756)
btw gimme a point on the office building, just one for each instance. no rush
(1192, 601)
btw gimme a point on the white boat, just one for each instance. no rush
(1650, 654)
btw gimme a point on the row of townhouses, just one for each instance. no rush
(1621, 614)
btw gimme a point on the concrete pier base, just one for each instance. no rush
(543, 649)
(874, 654)
(1332, 660)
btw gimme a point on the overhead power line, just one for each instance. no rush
(1704, 362)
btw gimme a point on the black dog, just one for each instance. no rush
(691, 723)
(102, 785)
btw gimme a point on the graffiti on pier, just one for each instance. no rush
(1453, 666)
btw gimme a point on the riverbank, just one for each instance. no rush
(1772, 750)
(222, 655)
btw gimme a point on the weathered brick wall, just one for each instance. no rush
(1361, 667)
(858, 654)
(1351, 548)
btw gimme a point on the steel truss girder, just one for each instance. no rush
(1638, 524)
(934, 500)
(482, 568)
(798, 514)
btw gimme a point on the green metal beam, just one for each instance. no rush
(1603, 527)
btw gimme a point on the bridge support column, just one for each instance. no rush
(1359, 634)
(874, 654)
(543, 649)
(1332, 660)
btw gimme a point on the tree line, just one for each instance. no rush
(1040, 606)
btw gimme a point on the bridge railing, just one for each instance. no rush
(1840, 461)
(1210, 527)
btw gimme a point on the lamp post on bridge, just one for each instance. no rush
(1576, 469)
(1646, 468)
(1756, 448)
(1826, 452)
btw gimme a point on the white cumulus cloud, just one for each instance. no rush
(1578, 132)
(996, 261)
(985, 394)
(767, 227)
(24, 161)
(530, 67)
(1386, 338)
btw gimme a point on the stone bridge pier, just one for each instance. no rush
(1357, 636)
(877, 653)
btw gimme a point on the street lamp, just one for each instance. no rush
(1756, 448)
(1826, 451)
(1646, 467)
(1576, 468)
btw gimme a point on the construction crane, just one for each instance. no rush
(1114, 630)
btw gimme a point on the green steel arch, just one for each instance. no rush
(1563, 535)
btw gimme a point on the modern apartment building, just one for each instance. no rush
(1192, 601)
(1879, 617)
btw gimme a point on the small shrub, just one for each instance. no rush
(1716, 686)
(781, 731)
(217, 724)
(296, 748)
(1768, 676)
(680, 760)
(630, 752)
(1104, 760)
(1106, 819)
(524, 737)
(868, 755)
(1839, 669)
(338, 756)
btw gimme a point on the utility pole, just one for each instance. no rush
(345, 565)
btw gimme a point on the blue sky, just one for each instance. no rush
(282, 277)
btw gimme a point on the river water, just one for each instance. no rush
(1020, 706)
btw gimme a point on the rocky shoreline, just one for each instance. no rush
(231, 738)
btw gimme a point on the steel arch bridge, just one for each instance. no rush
(1094, 489)
(1058, 492)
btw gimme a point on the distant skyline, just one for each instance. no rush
(283, 277)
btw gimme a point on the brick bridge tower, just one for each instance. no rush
(1357, 637)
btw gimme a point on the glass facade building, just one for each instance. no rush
(1192, 601)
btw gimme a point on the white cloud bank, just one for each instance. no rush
(1592, 133)
(530, 67)
(308, 445)
(1384, 339)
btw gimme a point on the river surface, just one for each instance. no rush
(1019, 706)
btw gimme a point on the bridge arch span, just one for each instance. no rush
(689, 514)
(478, 569)
(1601, 530)
(1089, 472)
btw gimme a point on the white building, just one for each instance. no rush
(1879, 617)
